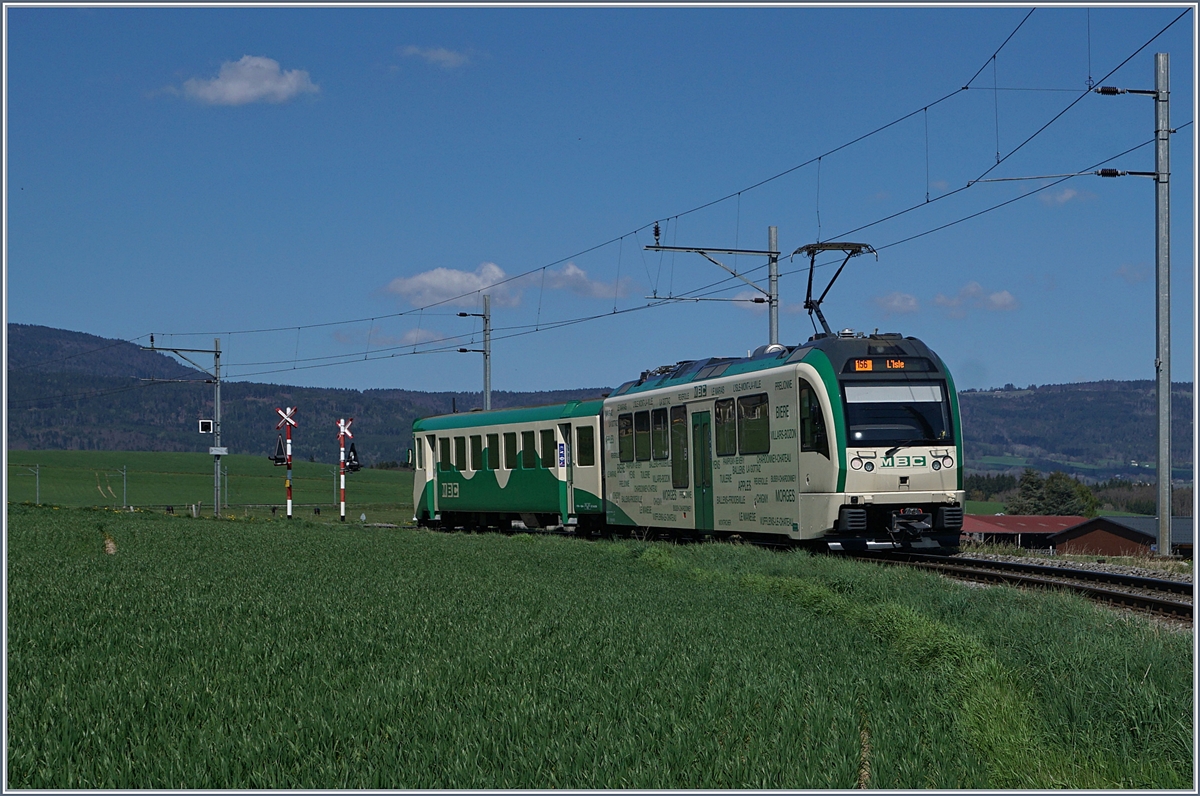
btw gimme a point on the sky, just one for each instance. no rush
(324, 189)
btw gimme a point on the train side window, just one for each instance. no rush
(420, 456)
(754, 424)
(812, 422)
(433, 451)
(460, 453)
(548, 447)
(726, 428)
(492, 456)
(679, 447)
(510, 450)
(585, 446)
(641, 435)
(625, 437)
(528, 450)
(444, 445)
(660, 443)
(476, 452)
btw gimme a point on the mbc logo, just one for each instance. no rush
(904, 461)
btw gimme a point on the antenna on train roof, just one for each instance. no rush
(851, 250)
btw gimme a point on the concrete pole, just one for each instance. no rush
(773, 283)
(487, 352)
(1162, 267)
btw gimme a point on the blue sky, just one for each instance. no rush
(203, 172)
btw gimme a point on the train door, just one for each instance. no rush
(566, 487)
(702, 469)
(431, 473)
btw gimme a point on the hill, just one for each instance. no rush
(73, 391)
(1094, 429)
(69, 390)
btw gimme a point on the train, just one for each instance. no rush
(851, 441)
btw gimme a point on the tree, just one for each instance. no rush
(1057, 494)
(1029, 494)
(1063, 495)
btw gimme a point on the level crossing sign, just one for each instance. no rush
(287, 415)
(344, 427)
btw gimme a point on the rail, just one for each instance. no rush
(1149, 595)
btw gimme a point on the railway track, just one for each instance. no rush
(1168, 598)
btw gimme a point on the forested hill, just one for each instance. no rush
(1097, 429)
(68, 390)
(73, 391)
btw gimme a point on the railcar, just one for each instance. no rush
(850, 441)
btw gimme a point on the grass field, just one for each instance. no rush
(239, 653)
(94, 478)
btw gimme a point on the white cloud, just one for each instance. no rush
(417, 336)
(575, 279)
(456, 287)
(1059, 198)
(897, 303)
(252, 79)
(974, 296)
(745, 300)
(1133, 274)
(462, 287)
(1001, 301)
(438, 56)
(939, 185)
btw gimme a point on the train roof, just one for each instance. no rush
(839, 348)
(525, 414)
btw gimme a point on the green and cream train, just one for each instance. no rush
(851, 441)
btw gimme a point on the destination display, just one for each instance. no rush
(888, 365)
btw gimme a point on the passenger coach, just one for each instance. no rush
(849, 440)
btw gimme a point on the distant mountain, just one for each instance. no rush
(41, 349)
(69, 390)
(74, 391)
(1098, 429)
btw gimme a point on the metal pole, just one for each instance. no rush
(217, 427)
(487, 352)
(1162, 262)
(773, 284)
(125, 486)
(37, 484)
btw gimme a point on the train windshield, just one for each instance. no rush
(880, 415)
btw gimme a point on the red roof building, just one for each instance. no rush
(1032, 531)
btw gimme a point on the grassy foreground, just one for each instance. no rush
(251, 654)
(157, 479)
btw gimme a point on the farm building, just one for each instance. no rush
(1122, 536)
(1030, 531)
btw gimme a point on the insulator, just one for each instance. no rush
(1110, 173)
(656, 233)
(1110, 91)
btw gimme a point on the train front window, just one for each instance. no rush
(879, 415)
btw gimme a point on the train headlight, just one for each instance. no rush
(856, 464)
(947, 462)
(869, 466)
(937, 464)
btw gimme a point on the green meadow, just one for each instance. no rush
(155, 651)
(155, 479)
